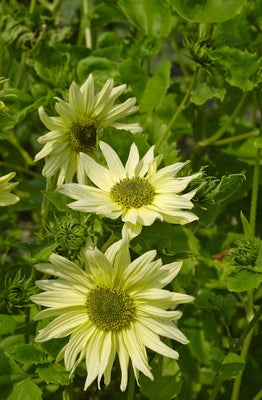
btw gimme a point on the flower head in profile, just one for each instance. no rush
(136, 192)
(75, 129)
(7, 198)
(114, 308)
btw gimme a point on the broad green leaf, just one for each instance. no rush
(25, 390)
(55, 68)
(7, 324)
(9, 371)
(54, 373)
(206, 92)
(156, 88)
(240, 66)
(208, 11)
(29, 354)
(246, 151)
(228, 187)
(148, 16)
(244, 279)
(133, 74)
(167, 380)
(98, 66)
(168, 238)
(232, 365)
(58, 200)
(226, 305)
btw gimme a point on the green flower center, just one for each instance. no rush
(133, 192)
(110, 309)
(82, 135)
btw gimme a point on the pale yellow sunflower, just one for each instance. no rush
(7, 198)
(114, 307)
(136, 192)
(75, 129)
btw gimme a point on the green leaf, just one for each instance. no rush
(25, 390)
(232, 365)
(225, 192)
(206, 92)
(168, 238)
(244, 279)
(240, 66)
(133, 74)
(228, 187)
(9, 371)
(167, 380)
(7, 324)
(148, 16)
(226, 305)
(156, 88)
(96, 65)
(58, 200)
(29, 354)
(246, 226)
(208, 11)
(54, 373)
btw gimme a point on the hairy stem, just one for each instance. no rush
(179, 109)
(220, 132)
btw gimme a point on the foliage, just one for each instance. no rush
(196, 74)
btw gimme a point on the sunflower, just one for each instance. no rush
(114, 307)
(7, 198)
(75, 129)
(136, 192)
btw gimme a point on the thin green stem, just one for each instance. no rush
(20, 79)
(237, 138)
(220, 132)
(246, 341)
(158, 377)
(32, 6)
(179, 109)
(215, 391)
(254, 197)
(258, 396)
(131, 384)
(252, 323)
(86, 24)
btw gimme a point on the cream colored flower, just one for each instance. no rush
(114, 307)
(136, 192)
(75, 129)
(7, 198)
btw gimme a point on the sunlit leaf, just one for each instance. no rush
(208, 10)
(244, 279)
(149, 16)
(206, 92)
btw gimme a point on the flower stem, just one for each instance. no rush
(250, 313)
(131, 384)
(220, 132)
(237, 138)
(179, 109)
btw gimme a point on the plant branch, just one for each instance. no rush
(179, 109)
(220, 132)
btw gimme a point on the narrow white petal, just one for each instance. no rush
(132, 161)
(136, 351)
(76, 99)
(113, 161)
(88, 91)
(77, 343)
(98, 174)
(133, 128)
(61, 326)
(152, 341)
